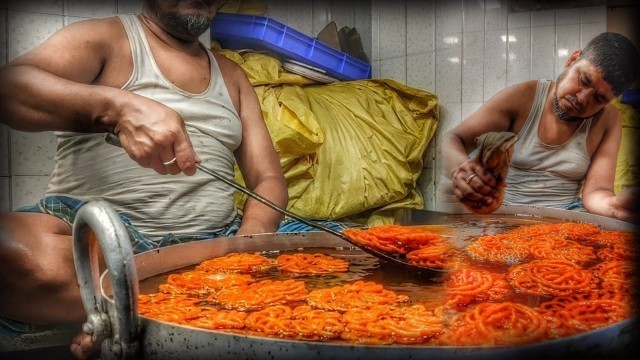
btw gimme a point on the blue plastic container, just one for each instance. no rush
(235, 31)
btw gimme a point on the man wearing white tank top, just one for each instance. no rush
(173, 104)
(568, 136)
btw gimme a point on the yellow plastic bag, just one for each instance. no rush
(349, 150)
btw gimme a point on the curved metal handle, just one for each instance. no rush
(119, 336)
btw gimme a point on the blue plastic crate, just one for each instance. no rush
(235, 31)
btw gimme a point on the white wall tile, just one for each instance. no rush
(300, 17)
(469, 108)
(28, 30)
(321, 15)
(90, 8)
(567, 16)
(473, 15)
(375, 30)
(589, 31)
(4, 150)
(27, 190)
(567, 40)
(395, 69)
(3, 37)
(41, 6)
(473, 66)
(32, 153)
(496, 13)
(5, 193)
(420, 26)
(593, 14)
(495, 62)
(426, 187)
(375, 69)
(277, 10)
(449, 75)
(392, 30)
(519, 56)
(448, 24)
(421, 71)
(68, 20)
(519, 20)
(342, 12)
(543, 18)
(363, 23)
(543, 52)
(129, 6)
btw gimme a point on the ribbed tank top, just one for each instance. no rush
(546, 175)
(86, 167)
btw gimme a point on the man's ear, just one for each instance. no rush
(573, 58)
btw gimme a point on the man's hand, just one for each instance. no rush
(154, 135)
(473, 185)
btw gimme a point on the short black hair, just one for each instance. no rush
(616, 57)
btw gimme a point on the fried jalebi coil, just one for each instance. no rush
(200, 283)
(498, 249)
(393, 239)
(466, 286)
(556, 247)
(619, 277)
(437, 256)
(311, 264)
(301, 323)
(578, 232)
(579, 313)
(173, 308)
(610, 238)
(505, 323)
(384, 324)
(359, 294)
(213, 319)
(617, 252)
(260, 295)
(550, 278)
(237, 262)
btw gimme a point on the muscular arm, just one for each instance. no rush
(55, 87)
(598, 194)
(497, 114)
(259, 164)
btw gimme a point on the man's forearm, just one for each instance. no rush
(35, 100)
(259, 218)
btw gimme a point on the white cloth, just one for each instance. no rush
(89, 168)
(546, 175)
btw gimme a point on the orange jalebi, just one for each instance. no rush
(213, 319)
(556, 247)
(437, 256)
(384, 324)
(173, 308)
(469, 285)
(303, 323)
(260, 294)
(237, 262)
(498, 249)
(393, 239)
(359, 294)
(550, 278)
(504, 323)
(200, 283)
(311, 264)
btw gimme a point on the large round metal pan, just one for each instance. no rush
(153, 339)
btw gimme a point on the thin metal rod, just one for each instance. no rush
(268, 202)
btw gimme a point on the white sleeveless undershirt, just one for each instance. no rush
(546, 175)
(86, 167)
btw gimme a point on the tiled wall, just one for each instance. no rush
(457, 49)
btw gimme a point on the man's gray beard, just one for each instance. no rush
(190, 25)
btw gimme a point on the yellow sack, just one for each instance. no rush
(349, 150)
(628, 163)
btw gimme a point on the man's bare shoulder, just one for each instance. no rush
(230, 70)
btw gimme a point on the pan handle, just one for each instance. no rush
(118, 333)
